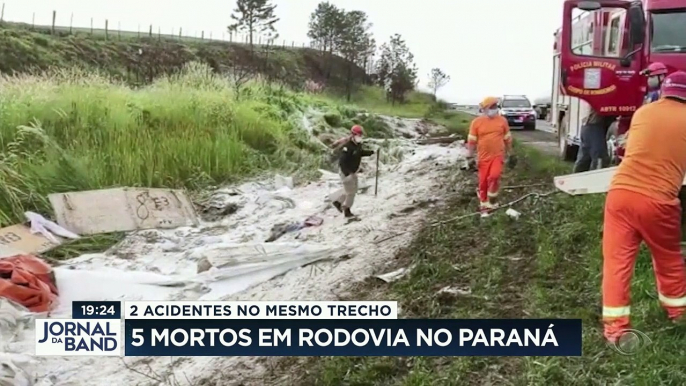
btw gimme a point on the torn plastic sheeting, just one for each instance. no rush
(107, 283)
(45, 227)
(395, 275)
(228, 281)
(281, 182)
(249, 254)
(281, 229)
(15, 370)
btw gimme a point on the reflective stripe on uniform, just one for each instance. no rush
(672, 302)
(616, 312)
(471, 138)
(492, 194)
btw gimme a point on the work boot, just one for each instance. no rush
(338, 206)
(348, 213)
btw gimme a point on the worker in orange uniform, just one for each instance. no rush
(642, 205)
(490, 134)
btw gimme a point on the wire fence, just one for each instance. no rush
(109, 30)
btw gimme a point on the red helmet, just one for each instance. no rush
(356, 130)
(675, 85)
(656, 68)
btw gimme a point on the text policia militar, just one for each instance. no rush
(323, 337)
(292, 328)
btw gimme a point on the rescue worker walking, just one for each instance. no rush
(593, 150)
(490, 134)
(642, 205)
(349, 163)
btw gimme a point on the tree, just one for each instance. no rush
(254, 16)
(437, 79)
(396, 70)
(354, 44)
(325, 26)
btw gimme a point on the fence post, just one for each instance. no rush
(180, 33)
(91, 26)
(210, 35)
(107, 25)
(2, 15)
(150, 30)
(33, 21)
(202, 35)
(159, 33)
(71, 23)
(54, 16)
(139, 31)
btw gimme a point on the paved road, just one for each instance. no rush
(544, 137)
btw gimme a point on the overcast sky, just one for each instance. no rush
(487, 47)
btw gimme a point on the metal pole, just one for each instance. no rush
(376, 182)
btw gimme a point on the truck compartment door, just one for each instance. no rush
(595, 63)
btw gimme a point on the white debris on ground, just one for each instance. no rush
(229, 260)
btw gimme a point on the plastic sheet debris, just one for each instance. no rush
(281, 229)
(46, 228)
(513, 213)
(281, 182)
(395, 275)
(455, 291)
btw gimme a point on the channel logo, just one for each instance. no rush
(78, 337)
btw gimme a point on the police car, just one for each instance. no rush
(518, 111)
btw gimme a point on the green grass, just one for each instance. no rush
(71, 130)
(373, 99)
(75, 131)
(547, 264)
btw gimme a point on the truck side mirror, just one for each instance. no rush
(637, 25)
(589, 6)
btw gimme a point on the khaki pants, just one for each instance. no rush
(346, 195)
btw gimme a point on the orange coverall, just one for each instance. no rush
(642, 205)
(490, 136)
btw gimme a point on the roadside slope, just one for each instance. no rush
(546, 264)
(138, 60)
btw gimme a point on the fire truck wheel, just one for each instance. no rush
(567, 151)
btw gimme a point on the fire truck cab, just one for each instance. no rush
(599, 54)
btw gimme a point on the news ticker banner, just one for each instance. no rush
(281, 328)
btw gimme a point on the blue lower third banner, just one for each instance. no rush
(395, 337)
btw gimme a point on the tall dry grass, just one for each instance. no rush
(71, 130)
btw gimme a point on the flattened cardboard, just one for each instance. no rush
(122, 210)
(18, 237)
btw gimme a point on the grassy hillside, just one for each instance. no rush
(138, 60)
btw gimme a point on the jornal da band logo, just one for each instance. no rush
(78, 337)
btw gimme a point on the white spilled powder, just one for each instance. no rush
(317, 263)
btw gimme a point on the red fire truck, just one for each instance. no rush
(598, 55)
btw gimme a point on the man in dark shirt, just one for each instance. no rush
(593, 150)
(349, 163)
